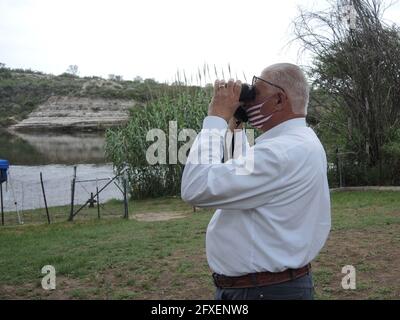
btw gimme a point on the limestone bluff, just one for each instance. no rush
(67, 113)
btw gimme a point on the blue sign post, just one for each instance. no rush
(4, 165)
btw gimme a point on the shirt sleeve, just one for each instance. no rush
(246, 182)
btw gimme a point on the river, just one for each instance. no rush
(54, 155)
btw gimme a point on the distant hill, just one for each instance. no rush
(22, 91)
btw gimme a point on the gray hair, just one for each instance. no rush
(291, 78)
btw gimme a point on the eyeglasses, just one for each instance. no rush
(255, 79)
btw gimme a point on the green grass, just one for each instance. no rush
(115, 258)
(357, 210)
(83, 247)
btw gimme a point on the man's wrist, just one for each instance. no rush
(234, 126)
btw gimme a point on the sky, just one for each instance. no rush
(151, 38)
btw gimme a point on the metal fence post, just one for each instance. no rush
(44, 197)
(126, 213)
(2, 209)
(339, 168)
(71, 214)
(98, 202)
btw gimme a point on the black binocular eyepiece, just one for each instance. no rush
(247, 94)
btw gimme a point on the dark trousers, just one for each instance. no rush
(299, 289)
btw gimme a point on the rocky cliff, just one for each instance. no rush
(77, 113)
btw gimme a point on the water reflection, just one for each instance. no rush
(52, 148)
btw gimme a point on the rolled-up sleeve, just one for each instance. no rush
(248, 181)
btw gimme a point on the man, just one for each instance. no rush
(273, 199)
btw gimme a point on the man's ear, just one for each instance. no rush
(273, 105)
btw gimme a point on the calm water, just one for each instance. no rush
(55, 155)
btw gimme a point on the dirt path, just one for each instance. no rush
(158, 216)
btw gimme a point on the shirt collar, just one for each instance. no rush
(281, 128)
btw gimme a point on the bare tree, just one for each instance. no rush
(73, 70)
(357, 62)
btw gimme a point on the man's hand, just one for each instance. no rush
(226, 99)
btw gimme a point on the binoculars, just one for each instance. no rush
(247, 94)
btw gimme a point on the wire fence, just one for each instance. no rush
(352, 169)
(24, 196)
(339, 167)
(91, 191)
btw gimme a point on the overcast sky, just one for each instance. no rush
(150, 38)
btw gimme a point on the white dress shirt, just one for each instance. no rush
(273, 198)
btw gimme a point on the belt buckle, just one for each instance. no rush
(217, 277)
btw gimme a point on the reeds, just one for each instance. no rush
(183, 102)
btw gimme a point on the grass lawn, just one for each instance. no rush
(151, 257)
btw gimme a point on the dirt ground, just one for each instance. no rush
(158, 216)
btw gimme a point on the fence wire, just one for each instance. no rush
(23, 197)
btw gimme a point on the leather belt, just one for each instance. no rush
(260, 279)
